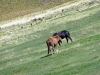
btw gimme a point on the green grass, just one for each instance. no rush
(23, 51)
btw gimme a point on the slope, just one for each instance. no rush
(23, 50)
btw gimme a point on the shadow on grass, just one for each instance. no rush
(46, 56)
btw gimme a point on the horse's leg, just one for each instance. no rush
(57, 51)
(70, 38)
(59, 43)
(48, 45)
(66, 39)
(67, 35)
(52, 49)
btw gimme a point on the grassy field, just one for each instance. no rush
(23, 51)
(10, 9)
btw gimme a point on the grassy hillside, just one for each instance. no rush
(23, 50)
(10, 9)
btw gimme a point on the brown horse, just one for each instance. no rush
(53, 41)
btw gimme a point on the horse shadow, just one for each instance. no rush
(46, 56)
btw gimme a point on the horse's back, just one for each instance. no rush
(53, 40)
(65, 32)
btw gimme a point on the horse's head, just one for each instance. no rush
(55, 34)
(60, 39)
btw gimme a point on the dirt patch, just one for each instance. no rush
(48, 13)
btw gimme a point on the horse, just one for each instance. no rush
(53, 42)
(63, 34)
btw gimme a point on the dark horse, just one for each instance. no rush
(63, 34)
(53, 42)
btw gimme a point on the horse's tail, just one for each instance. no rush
(48, 45)
(68, 35)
